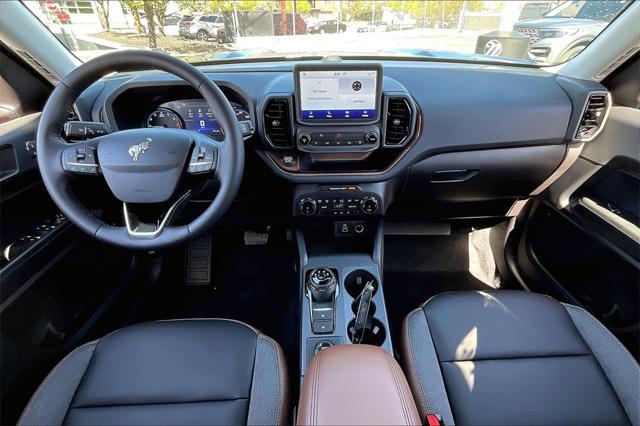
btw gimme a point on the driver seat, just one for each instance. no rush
(202, 371)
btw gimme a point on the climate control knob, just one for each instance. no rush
(307, 207)
(369, 205)
(304, 138)
(372, 137)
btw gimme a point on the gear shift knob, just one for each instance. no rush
(322, 284)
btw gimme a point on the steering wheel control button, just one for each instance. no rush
(246, 127)
(202, 159)
(80, 160)
(369, 205)
(307, 207)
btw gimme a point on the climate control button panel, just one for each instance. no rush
(328, 203)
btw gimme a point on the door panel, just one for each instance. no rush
(56, 285)
(581, 238)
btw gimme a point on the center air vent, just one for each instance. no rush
(277, 122)
(398, 122)
(593, 116)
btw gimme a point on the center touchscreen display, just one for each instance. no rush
(338, 94)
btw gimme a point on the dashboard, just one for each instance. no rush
(452, 140)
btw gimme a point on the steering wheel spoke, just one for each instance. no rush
(80, 158)
(136, 228)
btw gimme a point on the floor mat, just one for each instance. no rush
(419, 267)
(254, 284)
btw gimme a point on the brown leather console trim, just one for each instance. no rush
(355, 385)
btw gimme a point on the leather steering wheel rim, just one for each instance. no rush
(50, 145)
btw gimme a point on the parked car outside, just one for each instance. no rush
(330, 26)
(172, 18)
(201, 27)
(563, 32)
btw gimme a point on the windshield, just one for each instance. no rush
(202, 31)
(596, 10)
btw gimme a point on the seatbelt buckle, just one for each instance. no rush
(432, 419)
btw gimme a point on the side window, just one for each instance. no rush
(21, 90)
(220, 20)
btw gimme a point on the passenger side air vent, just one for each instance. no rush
(398, 122)
(277, 122)
(592, 117)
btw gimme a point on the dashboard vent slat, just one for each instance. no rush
(398, 124)
(277, 122)
(593, 116)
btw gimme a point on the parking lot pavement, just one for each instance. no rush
(351, 41)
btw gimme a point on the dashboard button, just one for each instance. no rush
(371, 137)
(289, 160)
(304, 138)
(369, 205)
(307, 207)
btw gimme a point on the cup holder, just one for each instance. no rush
(356, 303)
(356, 280)
(374, 332)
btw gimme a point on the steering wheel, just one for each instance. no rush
(142, 167)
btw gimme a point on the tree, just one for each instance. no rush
(134, 7)
(103, 12)
(151, 31)
(159, 8)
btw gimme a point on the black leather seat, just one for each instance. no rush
(513, 358)
(167, 372)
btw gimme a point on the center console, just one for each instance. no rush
(342, 297)
(357, 385)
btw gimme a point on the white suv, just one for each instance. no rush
(201, 27)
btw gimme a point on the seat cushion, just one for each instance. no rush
(167, 372)
(512, 357)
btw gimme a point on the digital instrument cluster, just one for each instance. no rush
(195, 114)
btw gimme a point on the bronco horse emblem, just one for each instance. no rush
(136, 150)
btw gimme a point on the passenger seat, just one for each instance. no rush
(514, 358)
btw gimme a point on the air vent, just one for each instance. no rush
(277, 122)
(44, 70)
(592, 117)
(398, 124)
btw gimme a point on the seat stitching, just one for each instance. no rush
(142, 404)
(414, 367)
(595, 357)
(47, 380)
(517, 358)
(400, 395)
(275, 350)
(316, 393)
